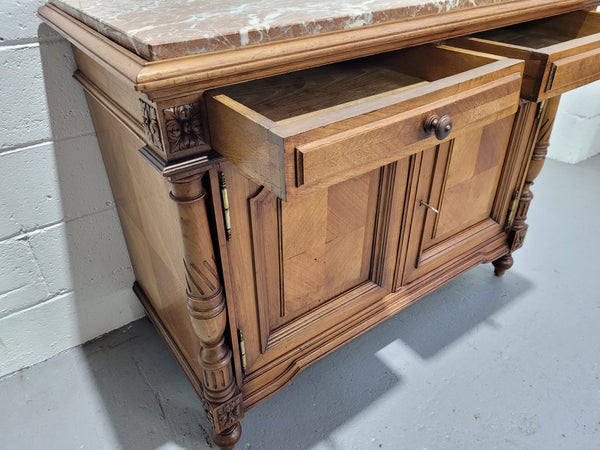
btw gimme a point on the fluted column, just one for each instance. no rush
(207, 309)
(518, 229)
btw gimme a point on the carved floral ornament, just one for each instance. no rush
(224, 415)
(184, 127)
(150, 123)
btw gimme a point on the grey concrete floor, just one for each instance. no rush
(483, 363)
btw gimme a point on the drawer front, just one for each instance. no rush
(400, 135)
(316, 147)
(574, 71)
(560, 53)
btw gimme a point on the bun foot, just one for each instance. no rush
(228, 438)
(501, 265)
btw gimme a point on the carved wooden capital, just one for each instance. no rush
(175, 130)
(151, 125)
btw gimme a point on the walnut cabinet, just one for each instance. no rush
(275, 212)
(378, 212)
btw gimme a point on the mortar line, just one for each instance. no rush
(28, 145)
(24, 234)
(29, 42)
(52, 297)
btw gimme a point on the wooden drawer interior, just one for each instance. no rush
(291, 97)
(313, 128)
(561, 52)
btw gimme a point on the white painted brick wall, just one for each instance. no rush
(576, 134)
(65, 276)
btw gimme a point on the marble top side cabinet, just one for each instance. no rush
(283, 189)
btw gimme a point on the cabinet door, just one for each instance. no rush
(317, 257)
(307, 275)
(461, 191)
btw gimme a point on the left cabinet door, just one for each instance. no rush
(317, 262)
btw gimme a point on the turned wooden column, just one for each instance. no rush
(518, 230)
(207, 309)
(540, 150)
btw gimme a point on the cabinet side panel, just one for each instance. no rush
(149, 221)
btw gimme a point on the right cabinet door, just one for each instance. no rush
(458, 200)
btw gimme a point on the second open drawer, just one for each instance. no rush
(560, 53)
(307, 130)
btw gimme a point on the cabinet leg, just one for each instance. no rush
(519, 226)
(227, 439)
(501, 265)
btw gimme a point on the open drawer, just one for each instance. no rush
(561, 52)
(310, 129)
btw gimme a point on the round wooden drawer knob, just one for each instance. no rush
(440, 126)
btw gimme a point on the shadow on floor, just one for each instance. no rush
(447, 314)
(151, 404)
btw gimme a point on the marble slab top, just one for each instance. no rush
(157, 30)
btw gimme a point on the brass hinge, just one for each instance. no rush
(242, 350)
(551, 77)
(512, 207)
(540, 109)
(225, 203)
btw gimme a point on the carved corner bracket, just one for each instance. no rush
(175, 131)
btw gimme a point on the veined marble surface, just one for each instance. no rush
(156, 29)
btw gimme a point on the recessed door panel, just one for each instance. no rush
(455, 203)
(472, 179)
(313, 252)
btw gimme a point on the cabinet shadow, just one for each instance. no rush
(150, 402)
(445, 315)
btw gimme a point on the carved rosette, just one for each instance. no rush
(207, 310)
(519, 227)
(184, 127)
(150, 123)
(225, 415)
